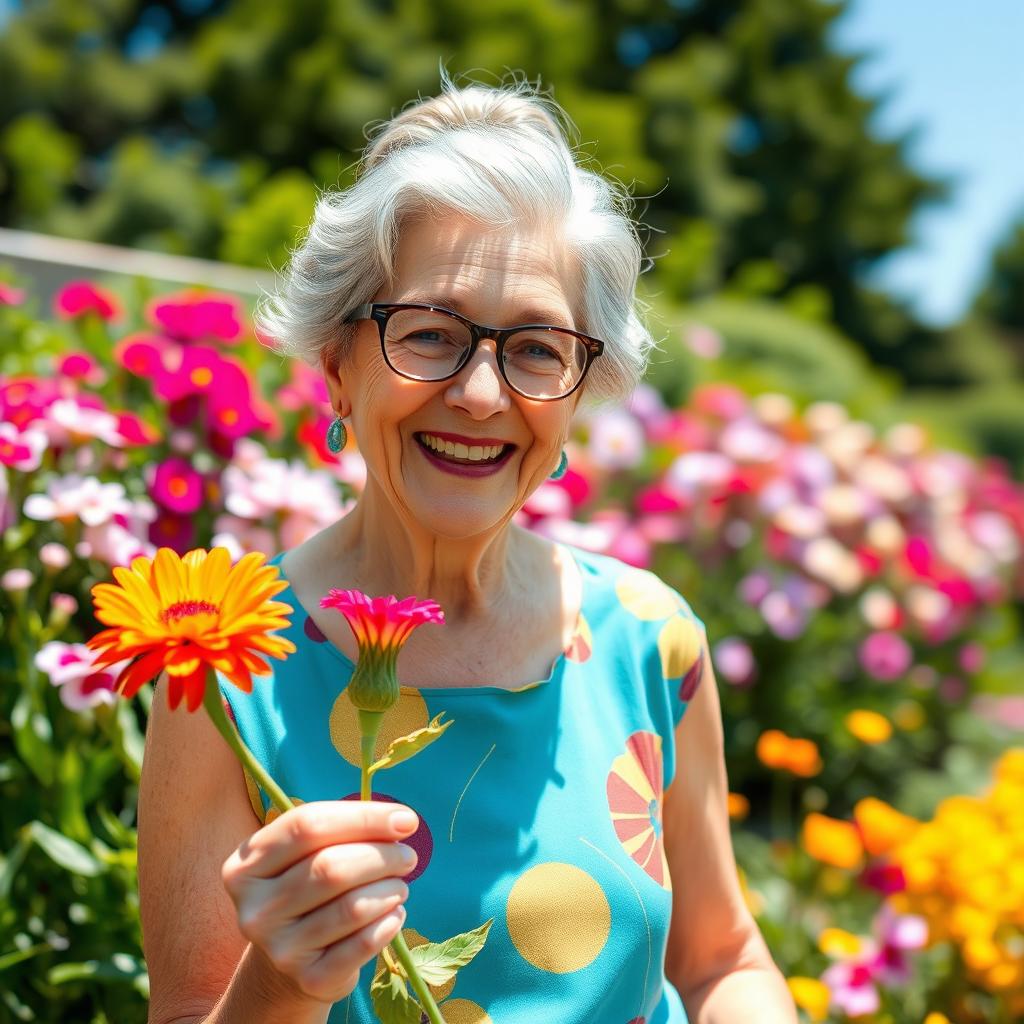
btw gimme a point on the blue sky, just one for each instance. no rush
(954, 70)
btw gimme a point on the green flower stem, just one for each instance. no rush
(369, 729)
(419, 986)
(215, 709)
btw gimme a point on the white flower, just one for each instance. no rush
(276, 486)
(70, 666)
(616, 439)
(74, 497)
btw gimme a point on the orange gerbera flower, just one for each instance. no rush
(188, 615)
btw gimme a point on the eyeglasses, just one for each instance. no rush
(430, 343)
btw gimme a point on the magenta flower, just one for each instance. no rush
(81, 367)
(26, 399)
(195, 316)
(884, 877)
(144, 355)
(11, 296)
(381, 626)
(852, 984)
(21, 450)
(897, 935)
(81, 297)
(133, 431)
(885, 655)
(70, 666)
(177, 487)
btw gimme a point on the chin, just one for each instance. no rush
(458, 520)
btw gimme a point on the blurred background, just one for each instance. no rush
(826, 457)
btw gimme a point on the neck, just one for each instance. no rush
(385, 554)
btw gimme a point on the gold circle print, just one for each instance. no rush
(558, 917)
(408, 715)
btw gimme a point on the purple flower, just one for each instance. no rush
(885, 655)
(735, 661)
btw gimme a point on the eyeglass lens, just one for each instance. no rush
(430, 345)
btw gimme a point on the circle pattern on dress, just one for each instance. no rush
(680, 646)
(558, 917)
(582, 643)
(464, 1011)
(422, 840)
(645, 596)
(313, 631)
(408, 715)
(635, 802)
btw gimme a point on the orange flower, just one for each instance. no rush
(799, 756)
(832, 841)
(881, 827)
(188, 615)
(739, 806)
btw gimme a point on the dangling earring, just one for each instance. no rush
(337, 435)
(563, 465)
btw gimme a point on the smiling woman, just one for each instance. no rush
(461, 299)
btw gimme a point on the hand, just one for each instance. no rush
(319, 891)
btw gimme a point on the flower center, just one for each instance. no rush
(186, 609)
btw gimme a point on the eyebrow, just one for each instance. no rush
(526, 315)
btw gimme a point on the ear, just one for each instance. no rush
(336, 373)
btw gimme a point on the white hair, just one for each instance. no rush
(499, 156)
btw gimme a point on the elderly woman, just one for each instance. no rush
(463, 297)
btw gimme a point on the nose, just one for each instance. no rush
(479, 388)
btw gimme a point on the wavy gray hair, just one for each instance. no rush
(499, 156)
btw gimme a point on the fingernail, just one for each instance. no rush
(408, 854)
(404, 821)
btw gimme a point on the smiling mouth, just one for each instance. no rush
(461, 454)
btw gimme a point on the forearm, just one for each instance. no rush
(745, 994)
(256, 994)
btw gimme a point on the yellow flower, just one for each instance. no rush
(811, 995)
(936, 1018)
(187, 615)
(837, 943)
(869, 726)
(1010, 767)
(832, 841)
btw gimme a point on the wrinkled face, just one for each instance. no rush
(501, 278)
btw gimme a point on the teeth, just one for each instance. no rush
(474, 453)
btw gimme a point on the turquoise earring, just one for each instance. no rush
(563, 465)
(337, 435)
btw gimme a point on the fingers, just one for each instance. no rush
(324, 875)
(345, 915)
(310, 827)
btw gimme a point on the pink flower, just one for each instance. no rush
(548, 500)
(78, 420)
(885, 655)
(897, 934)
(784, 616)
(274, 487)
(616, 440)
(11, 296)
(306, 390)
(194, 316)
(703, 341)
(177, 486)
(81, 297)
(54, 556)
(26, 399)
(884, 878)
(971, 658)
(70, 666)
(144, 355)
(16, 581)
(22, 451)
(852, 984)
(735, 661)
(80, 366)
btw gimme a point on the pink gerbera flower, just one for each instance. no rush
(194, 316)
(177, 486)
(381, 626)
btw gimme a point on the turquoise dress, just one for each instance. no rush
(540, 808)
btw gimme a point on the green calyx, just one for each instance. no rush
(374, 684)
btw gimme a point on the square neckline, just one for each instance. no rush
(557, 667)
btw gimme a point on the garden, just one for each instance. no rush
(861, 584)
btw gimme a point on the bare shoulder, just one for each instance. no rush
(193, 812)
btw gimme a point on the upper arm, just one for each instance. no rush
(712, 929)
(193, 812)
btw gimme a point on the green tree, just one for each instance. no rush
(204, 126)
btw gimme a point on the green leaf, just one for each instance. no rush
(392, 1002)
(120, 967)
(437, 962)
(404, 747)
(32, 734)
(10, 865)
(65, 852)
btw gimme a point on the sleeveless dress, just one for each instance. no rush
(540, 808)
